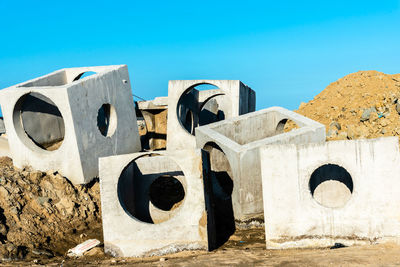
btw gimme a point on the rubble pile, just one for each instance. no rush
(43, 214)
(364, 104)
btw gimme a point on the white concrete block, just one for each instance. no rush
(90, 116)
(316, 195)
(239, 140)
(154, 203)
(189, 108)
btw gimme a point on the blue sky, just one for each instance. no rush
(287, 51)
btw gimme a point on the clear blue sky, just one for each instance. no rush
(287, 51)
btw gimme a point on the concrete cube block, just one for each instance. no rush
(64, 121)
(316, 195)
(236, 143)
(153, 204)
(189, 107)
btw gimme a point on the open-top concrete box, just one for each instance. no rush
(316, 195)
(161, 202)
(66, 120)
(234, 148)
(193, 103)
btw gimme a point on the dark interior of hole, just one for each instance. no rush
(210, 112)
(83, 75)
(188, 124)
(330, 172)
(134, 191)
(165, 192)
(42, 121)
(202, 113)
(103, 119)
(218, 191)
(281, 126)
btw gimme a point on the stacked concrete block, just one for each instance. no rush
(154, 204)
(237, 141)
(189, 108)
(64, 121)
(154, 112)
(316, 195)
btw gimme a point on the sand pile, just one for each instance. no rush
(43, 214)
(365, 104)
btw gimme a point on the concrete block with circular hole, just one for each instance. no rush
(65, 121)
(154, 203)
(316, 195)
(236, 142)
(193, 103)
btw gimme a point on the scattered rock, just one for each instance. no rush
(336, 125)
(367, 113)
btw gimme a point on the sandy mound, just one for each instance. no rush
(43, 214)
(360, 105)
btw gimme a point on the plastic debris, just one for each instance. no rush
(82, 248)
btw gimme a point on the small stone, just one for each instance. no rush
(163, 259)
(398, 107)
(374, 116)
(336, 125)
(342, 136)
(332, 133)
(367, 113)
(384, 122)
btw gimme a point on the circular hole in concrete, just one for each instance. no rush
(166, 193)
(151, 188)
(286, 125)
(199, 105)
(210, 110)
(331, 185)
(107, 120)
(84, 74)
(38, 118)
(221, 188)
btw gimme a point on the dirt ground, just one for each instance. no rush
(245, 248)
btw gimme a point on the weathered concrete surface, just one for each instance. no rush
(189, 107)
(240, 139)
(154, 113)
(296, 218)
(4, 147)
(2, 127)
(133, 223)
(92, 109)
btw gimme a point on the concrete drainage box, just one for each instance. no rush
(234, 143)
(189, 106)
(154, 204)
(66, 120)
(316, 195)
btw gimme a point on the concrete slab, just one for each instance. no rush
(83, 115)
(316, 195)
(154, 204)
(189, 107)
(237, 141)
(154, 112)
